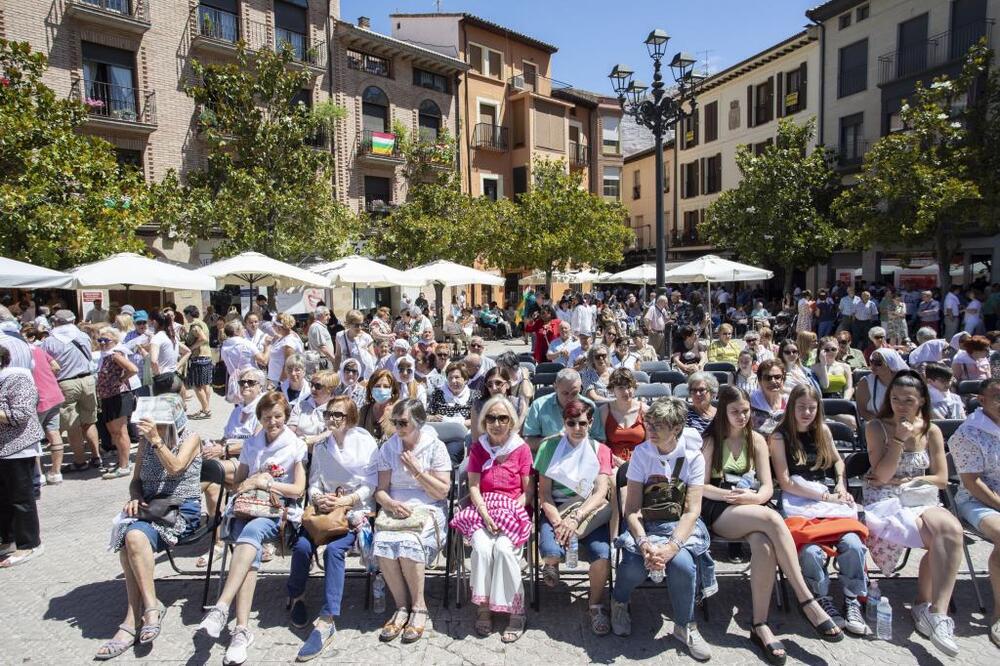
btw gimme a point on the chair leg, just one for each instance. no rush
(447, 569)
(369, 578)
(972, 574)
(208, 568)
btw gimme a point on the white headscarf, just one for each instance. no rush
(892, 359)
(357, 365)
(395, 368)
(513, 443)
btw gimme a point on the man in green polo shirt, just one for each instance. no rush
(545, 414)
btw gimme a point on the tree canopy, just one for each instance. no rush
(64, 200)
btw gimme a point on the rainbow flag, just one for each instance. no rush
(383, 143)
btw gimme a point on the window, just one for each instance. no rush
(734, 114)
(711, 121)
(291, 26)
(795, 90)
(894, 122)
(764, 107)
(425, 79)
(852, 136)
(374, 110)
(520, 175)
(689, 125)
(861, 13)
(611, 142)
(760, 148)
(303, 96)
(519, 120)
(492, 188)
(612, 182)
(852, 73)
(713, 174)
(378, 194)
(429, 121)
(530, 74)
(369, 64)
(218, 19)
(844, 21)
(486, 61)
(109, 81)
(636, 184)
(667, 172)
(690, 225)
(128, 159)
(550, 126)
(689, 180)
(913, 46)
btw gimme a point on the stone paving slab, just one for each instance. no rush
(58, 609)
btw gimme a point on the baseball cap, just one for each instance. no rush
(140, 315)
(65, 316)
(127, 309)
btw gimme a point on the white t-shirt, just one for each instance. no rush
(319, 337)
(169, 352)
(951, 304)
(276, 362)
(431, 454)
(281, 455)
(647, 461)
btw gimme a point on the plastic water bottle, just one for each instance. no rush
(883, 628)
(656, 575)
(871, 605)
(573, 552)
(378, 592)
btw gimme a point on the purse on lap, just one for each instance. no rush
(325, 527)
(258, 503)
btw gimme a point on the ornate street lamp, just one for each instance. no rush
(659, 113)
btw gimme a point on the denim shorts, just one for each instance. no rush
(972, 510)
(253, 532)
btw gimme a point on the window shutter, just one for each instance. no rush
(702, 172)
(770, 97)
(749, 106)
(780, 97)
(802, 86)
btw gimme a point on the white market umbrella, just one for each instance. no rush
(20, 275)
(538, 278)
(710, 268)
(450, 274)
(589, 275)
(253, 269)
(128, 271)
(641, 274)
(355, 271)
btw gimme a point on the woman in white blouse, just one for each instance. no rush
(342, 474)
(238, 353)
(307, 420)
(286, 342)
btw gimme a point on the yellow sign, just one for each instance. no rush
(792, 98)
(689, 136)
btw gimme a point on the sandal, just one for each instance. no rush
(484, 621)
(267, 552)
(413, 634)
(202, 561)
(550, 574)
(515, 629)
(97, 463)
(150, 632)
(771, 650)
(115, 647)
(823, 629)
(391, 629)
(600, 624)
(202, 414)
(14, 559)
(117, 473)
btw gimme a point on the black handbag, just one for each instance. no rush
(220, 378)
(160, 510)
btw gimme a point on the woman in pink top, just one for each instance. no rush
(496, 523)
(50, 399)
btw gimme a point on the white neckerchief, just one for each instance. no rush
(461, 399)
(980, 421)
(759, 401)
(356, 457)
(251, 409)
(575, 467)
(512, 444)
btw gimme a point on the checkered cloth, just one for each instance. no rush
(509, 516)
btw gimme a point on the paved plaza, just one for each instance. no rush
(58, 609)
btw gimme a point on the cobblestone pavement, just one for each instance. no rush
(59, 608)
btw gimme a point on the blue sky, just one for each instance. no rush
(593, 35)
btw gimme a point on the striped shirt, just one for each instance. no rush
(20, 351)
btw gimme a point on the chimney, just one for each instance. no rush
(364, 22)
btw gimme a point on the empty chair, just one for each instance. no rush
(835, 406)
(650, 392)
(845, 439)
(722, 376)
(968, 388)
(548, 366)
(456, 438)
(858, 374)
(640, 377)
(544, 378)
(672, 377)
(723, 366)
(654, 366)
(526, 356)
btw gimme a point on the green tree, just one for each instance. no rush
(561, 225)
(63, 198)
(779, 214)
(266, 186)
(925, 184)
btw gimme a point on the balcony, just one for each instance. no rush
(320, 140)
(685, 237)
(380, 148)
(490, 137)
(259, 36)
(852, 80)
(217, 31)
(937, 51)
(579, 155)
(117, 107)
(850, 156)
(378, 207)
(124, 15)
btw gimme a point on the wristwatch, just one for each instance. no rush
(677, 542)
(641, 541)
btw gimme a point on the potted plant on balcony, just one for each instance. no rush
(206, 25)
(94, 105)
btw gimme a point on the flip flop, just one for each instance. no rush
(202, 561)
(117, 473)
(14, 560)
(150, 632)
(515, 629)
(115, 647)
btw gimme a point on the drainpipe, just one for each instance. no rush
(458, 125)
(822, 81)
(468, 138)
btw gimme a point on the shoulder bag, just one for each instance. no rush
(325, 527)
(664, 500)
(257, 503)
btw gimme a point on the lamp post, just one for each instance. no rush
(658, 114)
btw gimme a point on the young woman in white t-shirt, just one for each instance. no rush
(286, 342)
(166, 351)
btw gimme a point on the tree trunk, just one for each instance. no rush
(548, 282)
(786, 287)
(943, 252)
(439, 313)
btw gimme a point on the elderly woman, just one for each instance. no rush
(294, 387)
(876, 340)
(733, 508)
(702, 389)
(381, 394)
(413, 483)
(350, 383)
(20, 448)
(115, 393)
(622, 417)
(873, 387)
(725, 349)
(595, 376)
(381, 326)
(272, 461)
(496, 523)
(286, 343)
(497, 382)
(904, 447)
(238, 353)
(973, 360)
(574, 478)
(803, 458)
(454, 400)
(307, 419)
(664, 537)
(688, 357)
(168, 469)
(341, 476)
(354, 343)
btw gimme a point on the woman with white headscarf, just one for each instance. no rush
(350, 382)
(454, 399)
(872, 389)
(404, 372)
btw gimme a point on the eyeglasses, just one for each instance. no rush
(878, 337)
(400, 423)
(350, 371)
(577, 423)
(244, 383)
(698, 391)
(843, 343)
(658, 426)
(498, 419)
(335, 415)
(355, 325)
(751, 339)
(774, 378)
(140, 323)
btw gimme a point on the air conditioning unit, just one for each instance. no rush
(517, 82)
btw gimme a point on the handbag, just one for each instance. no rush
(325, 527)
(160, 510)
(664, 500)
(918, 493)
(257, 503)
(589, 523)
(415, 524)
(220, 378)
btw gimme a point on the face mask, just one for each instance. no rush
(381, 395)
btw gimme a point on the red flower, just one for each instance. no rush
(276, 470)
(5, 82)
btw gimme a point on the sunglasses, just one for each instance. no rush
(405, 371)
(792, 351)
(600, 355)
(316, 386)
(499, 419)
(104, 341)
(350, 371)
(829, 349)
(335, 415)
(497, 383)
(244, 383)
(400, 423)
(774, 378)
(476, 345)
(443, 355)
(698, 391)
(577, 423)
(877, 363)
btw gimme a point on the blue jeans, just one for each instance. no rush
(333, 564)
(850, 560)
(594, 546)
(824, 328)
(681, 578)
(254, 532)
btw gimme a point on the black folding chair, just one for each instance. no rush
(841, 406)
(845, 438)
(650, 392)
(529, 366)
(858, 375)
(542, 391)
(720, 366)
(672, 377)
(549, 367)
(948, 427)
(526, 356)
(543, 378)
(722, 377)
(969, 532)
(967, 388)
(655, 366)
(640, 376)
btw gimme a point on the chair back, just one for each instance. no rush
(857, 465)
(529, 366)
(722, 376)
(543, 391)
(526, 356)
(722, 366)
(948, 427)
(672, 377)
(212, 471)
(650, 392)
(654, 366)
(858, 375)
(845, 438)
(641, 377)
(450, 432)
(549, 366)
(543, 378)
(968, 387)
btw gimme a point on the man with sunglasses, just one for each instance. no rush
(545, 414)
(848, 354)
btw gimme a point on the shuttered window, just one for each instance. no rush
(550, 126)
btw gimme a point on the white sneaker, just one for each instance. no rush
(943, 633)
(53, 479)
(854, 619)
(236, 653)
(692, 639)
(921, 619)
(621, 620)
(214, 621)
